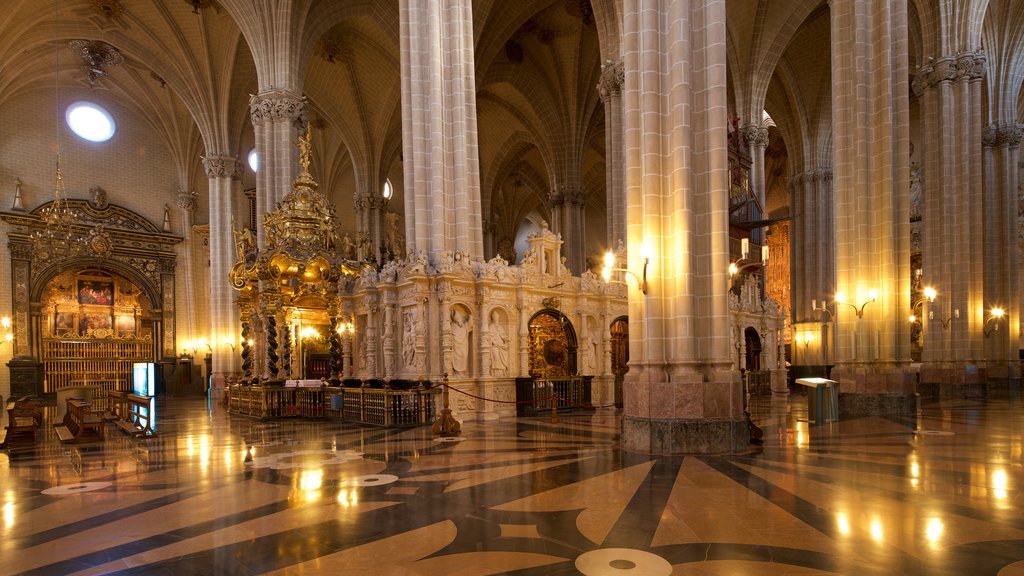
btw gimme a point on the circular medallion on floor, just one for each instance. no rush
(936, 432)
(372, 480)
(449, 439)
(304, 459)
(69, 489)
(622, 561)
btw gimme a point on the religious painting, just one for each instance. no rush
(92, 321)
(96, 292)
(125, 326)
(63, 323)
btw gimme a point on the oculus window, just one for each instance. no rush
(90, 121)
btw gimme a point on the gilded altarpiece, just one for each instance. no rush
(112, 247)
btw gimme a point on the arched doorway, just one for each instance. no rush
(753, 347)
(620, 355)
(553, 346)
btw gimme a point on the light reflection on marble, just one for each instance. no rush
(218, 495)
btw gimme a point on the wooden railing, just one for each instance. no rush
(106, 363)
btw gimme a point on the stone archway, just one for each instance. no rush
(553, 347)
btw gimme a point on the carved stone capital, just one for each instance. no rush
(613, 77)
(968, 66)
(186, 201)
(273, 106)
(997, 136)
(755, 136)
(222, 167)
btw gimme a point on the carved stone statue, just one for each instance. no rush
(409, 323)
(461, 329)
(99, 198)
(497, 339)
(348, 250)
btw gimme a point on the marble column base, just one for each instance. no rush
(685, 436)
(853, 405)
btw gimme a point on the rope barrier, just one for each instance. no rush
(545, 400)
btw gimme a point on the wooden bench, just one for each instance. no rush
(23, 418)
(80, 422)
(138, 417)
(115, 404)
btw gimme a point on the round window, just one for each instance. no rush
(90, 121)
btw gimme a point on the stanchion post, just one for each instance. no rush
(446, 424)
(554, 401)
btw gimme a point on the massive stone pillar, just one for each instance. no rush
(224, 173)
(812, 267)
(681, 392)
(870, 103)
(439, 132)
(1002, 278)
(953, 219)
(610, 90)
(274, 114)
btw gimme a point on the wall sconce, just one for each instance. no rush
(808, 338)
(5, 322)
(929, 295)
(230, 342)
(743, 263)
(609, 267)
(995, 316)
(840, 299)
(945, 321)
(309, 333)
(346, 328)
(823, 308)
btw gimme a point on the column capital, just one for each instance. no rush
(218, 166)
(755, 136)
(968, 66)
(997, 136)
(186, 201)
(613, 77)
(275, 105)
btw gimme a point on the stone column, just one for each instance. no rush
(224, 172)
(953, 220)
(575, 229)
(1002, 278)
(812, 262)
(274, 118)
(610, 90)
(682, 393)
(439, 131)
(186, 203)
(756, 138)
(871, 118)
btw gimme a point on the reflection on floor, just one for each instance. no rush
(939, 494)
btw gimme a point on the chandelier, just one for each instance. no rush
(57, 238)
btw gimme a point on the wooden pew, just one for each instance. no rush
(138, 417)
(22, 419)
(80, 422)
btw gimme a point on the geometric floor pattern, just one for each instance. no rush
(939, 493)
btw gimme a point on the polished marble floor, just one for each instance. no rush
(212, 494)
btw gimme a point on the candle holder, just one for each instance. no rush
(945, 321)
(840, 299)
(996, 315)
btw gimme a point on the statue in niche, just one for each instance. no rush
(497, 339)
(393, 238)
(460, 328)
(99, 198)
(409, 324)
